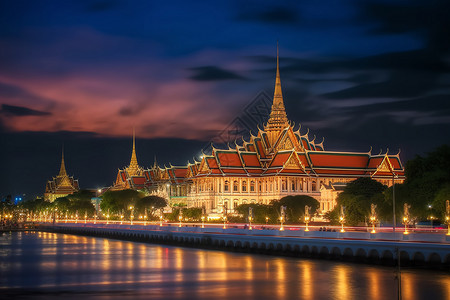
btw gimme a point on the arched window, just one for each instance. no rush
(293, 185)
(235, 204)
(252, 186)
(283, 185)
(244, 186)
(235, 186)
(227, 186)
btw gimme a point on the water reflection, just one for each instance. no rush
(42, 265)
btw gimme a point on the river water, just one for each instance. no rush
(53, 266)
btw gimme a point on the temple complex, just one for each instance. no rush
(278, 161)
(61, 185)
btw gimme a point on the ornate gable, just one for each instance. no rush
(294, 162)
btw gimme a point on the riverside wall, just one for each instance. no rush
(414, 249)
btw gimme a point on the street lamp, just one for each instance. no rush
(282, 217)
(180, 217)
(430, 207)
(250, 218)
(342, 218)
(373, 216)
(307, 217)
(131, 214)
(406, 208)
(224, 216)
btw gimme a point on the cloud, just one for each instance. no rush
(428, 19)
(213, 73)
(20, 111)
(271, 15)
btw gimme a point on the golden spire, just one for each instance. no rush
(62, 170)
(277, 95)
(133, 169)
(133, 162)
(278, 119)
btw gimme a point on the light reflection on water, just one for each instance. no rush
(47, 265)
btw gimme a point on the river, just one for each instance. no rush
(40, 265)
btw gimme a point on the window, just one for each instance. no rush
(235, 186)
(244, 186)
(235, 204)
(227, 186)
(293, 186)
(252, 186)
(284, 185)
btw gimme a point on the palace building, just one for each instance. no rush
(278, 161)
(61, 185)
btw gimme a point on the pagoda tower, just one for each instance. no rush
(278, 120)
(61, 185)
(132, 176)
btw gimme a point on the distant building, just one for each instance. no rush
(61, 185)
(131, 177)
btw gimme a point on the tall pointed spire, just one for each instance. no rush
(62, 170)
(133, 162)
(133, 169)
(278, 119)
(277, 95)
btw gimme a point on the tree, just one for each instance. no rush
(118, 202)
(295, 206)
(357, 197)
(439, 202)
(150, 203)
(192, 213)
(260, 212)
(426, 177)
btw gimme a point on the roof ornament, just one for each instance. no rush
(399, 150)
(370, 150)
(387, 151)
(381, 151)
(306, 134)
(313, 139)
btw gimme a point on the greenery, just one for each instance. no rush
(357, 197)
(260, 212)
(295, 209)
(119, 202)
(149, 203)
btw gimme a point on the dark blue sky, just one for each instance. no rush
(359, 73)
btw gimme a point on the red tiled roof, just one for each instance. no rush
(280, 159)
(324, 159)
(228, 159)
(250, 159)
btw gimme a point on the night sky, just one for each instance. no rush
(83, 73)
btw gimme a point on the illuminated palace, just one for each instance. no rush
(61, 185)
(277, 162)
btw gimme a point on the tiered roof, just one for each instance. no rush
(62, 184)
(131, 177)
